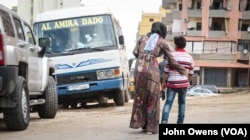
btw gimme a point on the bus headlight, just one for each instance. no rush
(110, 73)
(101, 74)
(107, 74)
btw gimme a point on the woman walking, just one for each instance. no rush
(146, 106)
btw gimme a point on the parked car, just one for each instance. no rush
(200, 91)
(213, 88)
(27, 82)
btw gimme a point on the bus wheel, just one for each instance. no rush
(119, 98)
(127, 95)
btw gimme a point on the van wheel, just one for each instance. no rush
(18, 118)
(49, 109)
(119, 98)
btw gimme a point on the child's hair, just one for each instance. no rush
(180, 41)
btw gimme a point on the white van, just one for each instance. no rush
(89, 54)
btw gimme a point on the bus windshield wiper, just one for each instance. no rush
(97, 49)
(63, 53)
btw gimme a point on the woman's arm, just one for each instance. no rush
(136, 50)
(172, 62)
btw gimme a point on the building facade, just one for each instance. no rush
(218, 38)
(146, 22)
(29, 9)
(147, 19)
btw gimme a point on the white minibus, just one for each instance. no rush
(89, 54)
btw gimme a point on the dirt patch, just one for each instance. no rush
(111, 122)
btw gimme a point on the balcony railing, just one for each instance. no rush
(246, 15)
(245, 35)
(218, 13)
(215, 34)
(242, 56)
(194, 13)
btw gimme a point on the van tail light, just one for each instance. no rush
(1, 50)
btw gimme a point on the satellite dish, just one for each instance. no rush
(248, 29)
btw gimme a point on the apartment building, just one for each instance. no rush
(147, 19)
(218, 37)
(29, 9)
(146, 22)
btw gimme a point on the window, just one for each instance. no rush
(198, 5)
(242, 46)
(9, 30)
(218, 5)
(28, 33)
(217, 26)
(82, 36)
(19, 29)
(247, 7)
(180, 7)
(198, 26)
(244, 27)
(198, 90)
(169, 28)
(151, 20)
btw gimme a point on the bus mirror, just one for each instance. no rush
(44, 42)
(121, 40)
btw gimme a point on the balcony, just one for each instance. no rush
(168, 18)
(215, 56)
(176, 14)
(245, 35)
(246, 15)
(169, 36)
(243, 56)
(218, 13)
(167, 3)
(194, 13)
(164, 20)
(216, 34)
(193, 33)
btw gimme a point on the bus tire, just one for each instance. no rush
(127, 95)
(119, 98)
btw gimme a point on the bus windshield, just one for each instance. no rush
(77, 33)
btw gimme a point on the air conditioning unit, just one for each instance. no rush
(245, 51)
(248, 29)
(186, 19)
(229, 8)
(183, 33)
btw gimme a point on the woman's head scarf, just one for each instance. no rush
(159, 28)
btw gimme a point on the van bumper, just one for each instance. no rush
(94, 86)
